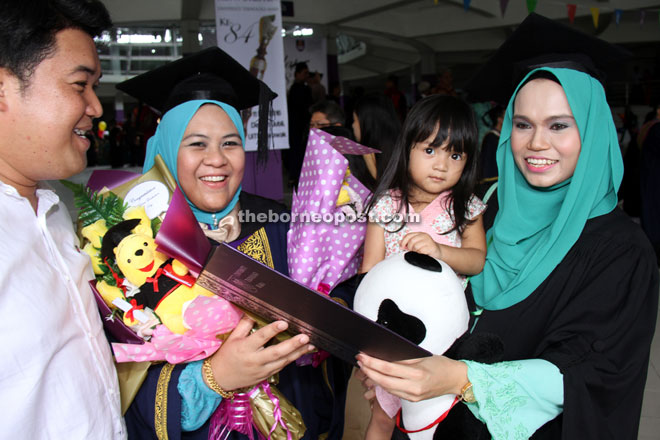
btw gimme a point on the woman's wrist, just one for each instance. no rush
(460, 377)
(209, 379)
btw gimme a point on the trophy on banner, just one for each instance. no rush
(266, 32)
(258, 62)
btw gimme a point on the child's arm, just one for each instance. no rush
(374, 247)
(468, 259)
(381, 425)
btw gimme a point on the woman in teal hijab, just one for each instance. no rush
(201, 139)
(570, 285)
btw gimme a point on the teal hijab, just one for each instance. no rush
(536, 227)
(166, 142)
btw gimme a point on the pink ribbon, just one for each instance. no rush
(277, 412)
(235, 414)
(323, 288)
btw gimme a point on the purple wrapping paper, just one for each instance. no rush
(109, 179)
(181, 237)
(321, 251)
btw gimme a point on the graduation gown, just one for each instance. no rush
(594, 318)
(650, 185)
(156, 410)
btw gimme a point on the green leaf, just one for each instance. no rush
(155, 225)
(93, 207)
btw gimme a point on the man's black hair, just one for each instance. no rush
(28, 29)
(331, 110)
(300, 67)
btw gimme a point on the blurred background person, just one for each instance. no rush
(299, 101)
(376, 125)
(488, 165)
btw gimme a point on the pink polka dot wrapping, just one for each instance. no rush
(324, 242)
(206, 317)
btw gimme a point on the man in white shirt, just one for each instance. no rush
(57, 379)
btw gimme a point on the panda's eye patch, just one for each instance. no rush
(145, 244)
(128, 261)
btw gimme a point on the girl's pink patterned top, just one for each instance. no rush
(435, 220)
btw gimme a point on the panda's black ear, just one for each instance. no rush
(423, 261)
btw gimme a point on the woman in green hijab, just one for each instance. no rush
(570, 284)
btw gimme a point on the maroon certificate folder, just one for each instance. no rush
(330, 326)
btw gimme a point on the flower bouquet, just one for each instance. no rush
(324, 242)
(147, 250)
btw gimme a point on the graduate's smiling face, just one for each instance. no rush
(211, 160)
(545, 139)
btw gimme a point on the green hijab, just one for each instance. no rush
(536, 227)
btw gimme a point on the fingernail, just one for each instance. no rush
(304, 339)
(310, 347)
(359, 364)
(281, 325)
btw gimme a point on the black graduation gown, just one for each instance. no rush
(594, 318)
(650, 187)
(315, 392)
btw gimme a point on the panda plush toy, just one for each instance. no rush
(423, 300)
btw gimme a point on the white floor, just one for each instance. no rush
(649, 428)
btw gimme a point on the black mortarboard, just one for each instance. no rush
(115, 235)
(539, 41)
(207, 74)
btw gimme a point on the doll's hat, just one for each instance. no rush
(541, 42)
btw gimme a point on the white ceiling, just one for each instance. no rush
(427, 34)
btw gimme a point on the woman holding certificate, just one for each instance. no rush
(201, 139)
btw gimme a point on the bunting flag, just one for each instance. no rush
(642, 14)
(503, 5)
(466, 4)
(531, 5)
(595, 13)
(571, 12)
(617, 16)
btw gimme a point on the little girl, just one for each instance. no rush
(424, 202)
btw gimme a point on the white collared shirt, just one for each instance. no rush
(57, 378)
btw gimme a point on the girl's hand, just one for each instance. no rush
(416, 379)
(367, 384)
(243, 360)
(422, 243)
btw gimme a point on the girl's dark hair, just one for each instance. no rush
(28, 29)
(455, 122)
(379, 126)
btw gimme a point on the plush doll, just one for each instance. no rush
(179, 319)
(422, 299)
(154, 281)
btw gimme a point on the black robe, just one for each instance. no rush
(650, 186)
(594, 318)
(317, 393)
